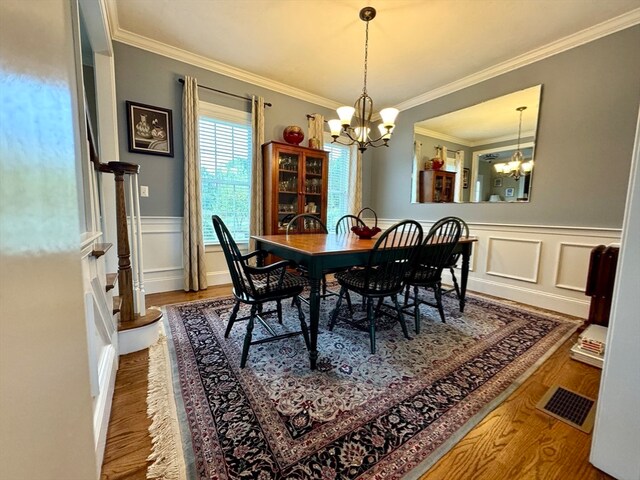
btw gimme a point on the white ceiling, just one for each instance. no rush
(492, 121)
(317, 46)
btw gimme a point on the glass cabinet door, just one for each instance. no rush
(288, 180)
(313, 186)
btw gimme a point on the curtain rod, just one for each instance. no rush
(311, 116)
(266, 104)
(438, 147)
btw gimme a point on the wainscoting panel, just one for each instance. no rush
(162, 251)
(515, 258)
(543, 266)
(572, 266)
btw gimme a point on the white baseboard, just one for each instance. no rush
(530, 296)
(102, 410)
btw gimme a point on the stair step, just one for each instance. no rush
(99, 249)
(112, 278)
(117, 303)
(153, 315)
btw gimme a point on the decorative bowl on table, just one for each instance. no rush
(365, 232)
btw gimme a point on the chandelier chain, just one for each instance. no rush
(520, 128)
(366, 55)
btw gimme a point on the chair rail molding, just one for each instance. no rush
(540, 265)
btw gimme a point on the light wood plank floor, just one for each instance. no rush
(515, 441)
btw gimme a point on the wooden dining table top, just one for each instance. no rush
(327, 243)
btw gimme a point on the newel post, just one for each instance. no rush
(120, 169)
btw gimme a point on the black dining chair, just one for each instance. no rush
(434, 255)
(306, 223)
(256, 286)
(310, 223)
(453, 260)
(384, 275)
(344, 224)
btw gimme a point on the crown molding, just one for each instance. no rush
(124, 36)
(587, 35)
(461, 141)
(442, 136)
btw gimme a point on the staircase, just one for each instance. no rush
(138, 326)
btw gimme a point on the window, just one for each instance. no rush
(225, 170)
(338, 188)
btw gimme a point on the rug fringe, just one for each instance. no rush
(166, 451)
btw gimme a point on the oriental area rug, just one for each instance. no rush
(384, 416)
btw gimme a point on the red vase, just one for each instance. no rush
(293, 135)
(437, 163)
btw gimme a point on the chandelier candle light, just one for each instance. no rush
(364, 107)
(515, 168)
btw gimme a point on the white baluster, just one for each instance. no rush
(138, 249)
(133, 239)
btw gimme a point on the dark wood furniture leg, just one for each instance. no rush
(314, 315)
(464, 274)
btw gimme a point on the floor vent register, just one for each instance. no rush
(570, 407)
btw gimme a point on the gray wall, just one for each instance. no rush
(152, 79)
(583, 151)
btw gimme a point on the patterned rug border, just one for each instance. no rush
(163, 368)
(189, 461)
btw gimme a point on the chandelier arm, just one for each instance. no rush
(335, 140)
(348, 134)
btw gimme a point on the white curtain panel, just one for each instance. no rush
(195, 271)
(355, 181)
(417, 159)
(457, 195)
(256, 216)
(315, 128)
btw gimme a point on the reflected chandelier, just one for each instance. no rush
(515, 168)
(363, 108)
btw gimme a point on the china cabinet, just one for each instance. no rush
(295, 181)
(437, 186)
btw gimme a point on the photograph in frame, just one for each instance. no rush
(509, 192)
(465, 178)
(150, 129)
(497, 182)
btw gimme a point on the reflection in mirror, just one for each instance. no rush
(483, 153)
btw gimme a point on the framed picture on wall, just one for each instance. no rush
(497, 182)
(150, 129)
(508, 192)
(465, 178)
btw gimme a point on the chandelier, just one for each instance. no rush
(363, 108)
(515, 167)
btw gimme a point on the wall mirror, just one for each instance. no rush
(483, 153)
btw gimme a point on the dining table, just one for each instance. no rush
(320, 252)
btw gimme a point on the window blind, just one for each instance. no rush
(225, 170)
(338, 188)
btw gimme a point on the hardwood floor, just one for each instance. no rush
(515, 441)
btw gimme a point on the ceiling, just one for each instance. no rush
(492, 121)
(317, 46)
